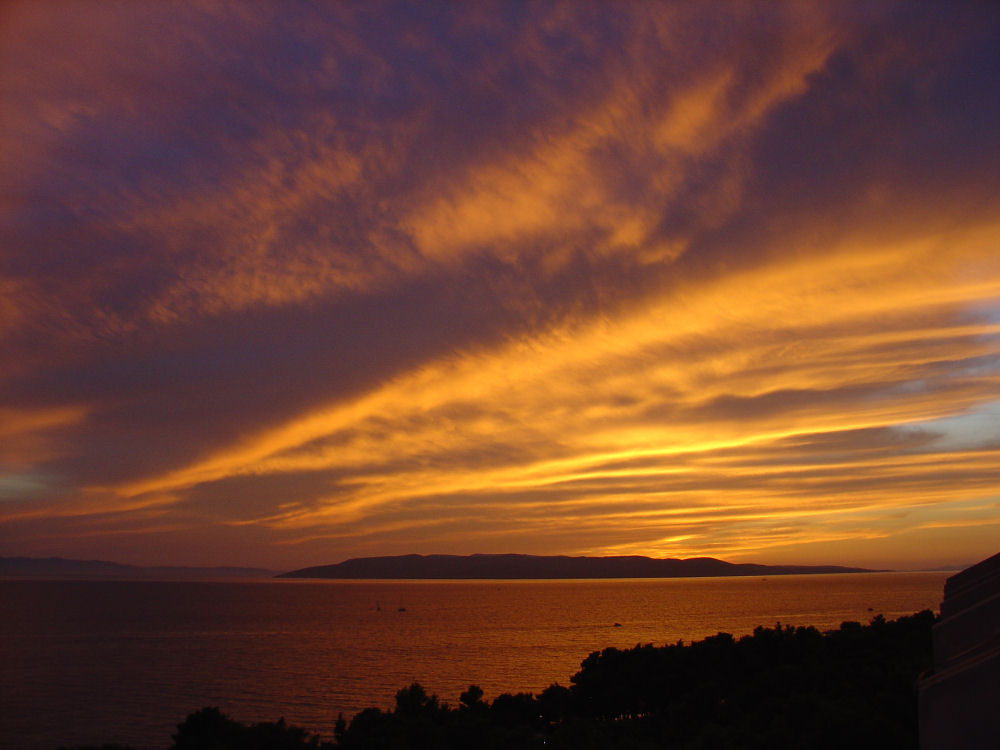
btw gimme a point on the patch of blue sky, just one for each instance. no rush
(990, 310)
(977, 428)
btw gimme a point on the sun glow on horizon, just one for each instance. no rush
(684, 281)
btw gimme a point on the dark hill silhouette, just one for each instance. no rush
(532, 566)
(59, 567)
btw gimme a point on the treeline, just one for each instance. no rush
(781, 687)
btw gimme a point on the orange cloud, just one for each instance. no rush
(634, 281)
(25, 433)
(664, 409)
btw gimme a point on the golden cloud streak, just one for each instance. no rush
(659, 394)
(93, 503)
(689, 365)
(560, 186)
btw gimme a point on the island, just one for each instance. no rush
(513, 566)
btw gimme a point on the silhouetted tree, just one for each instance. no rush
(207, 729)
(472, 698)
(210, 729)
(780, 687)
(555, 702)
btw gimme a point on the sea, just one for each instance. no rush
(92, 662)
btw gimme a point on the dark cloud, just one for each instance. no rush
(370, 274)
(892, 127)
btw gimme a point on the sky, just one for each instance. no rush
(285, 283)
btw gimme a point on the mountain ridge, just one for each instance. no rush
(62, 568)
(517, 566)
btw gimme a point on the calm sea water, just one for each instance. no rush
(125, 661)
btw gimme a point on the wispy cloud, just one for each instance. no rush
(672, 279)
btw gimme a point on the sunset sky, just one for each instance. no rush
(283, 283)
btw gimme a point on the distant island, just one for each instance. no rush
(59, 567)
(558, 566)
(509, 566)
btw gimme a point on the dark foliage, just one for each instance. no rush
(781, 687)
(210, 729)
